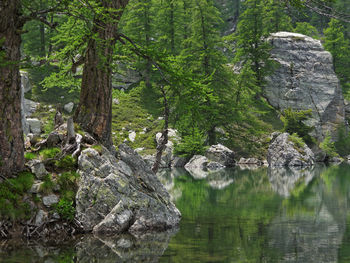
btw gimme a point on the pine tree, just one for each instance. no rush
(250, 40)
(275, 17)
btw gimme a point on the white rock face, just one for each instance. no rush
(305, 79)
(69, 107)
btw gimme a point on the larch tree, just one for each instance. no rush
(12, 20)
(11, 133)
(94, 112)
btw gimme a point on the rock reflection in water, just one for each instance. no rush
(312, 221)
(284, 179)
(220, 179)
(123, 248)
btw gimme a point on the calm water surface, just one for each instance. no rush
(237, 215)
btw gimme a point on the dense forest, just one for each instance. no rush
(197, 66)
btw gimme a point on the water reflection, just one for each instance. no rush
(311, 223)
(262, 215)
(90, 248)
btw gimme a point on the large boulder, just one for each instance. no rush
(284, 152)
(305, 79)
(116, 196)
(221, 154)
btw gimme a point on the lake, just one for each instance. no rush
(233, 215)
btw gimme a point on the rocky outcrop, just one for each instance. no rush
(305, 79)
(118, 196)
(284, 152)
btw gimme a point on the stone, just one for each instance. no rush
(116, 196)
(38, 169)
(116, 101)
(36, 187)
(283, 152)
(178, 162)
(335, 160)
(215, 166)
(253, 161)
(221, 154)
(34, 125)
(305, 79)
(25, 82)
(197, 161)
(68, 107)
(49, 200)
(132, 136)
(40, 218)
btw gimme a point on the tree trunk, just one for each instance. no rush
(94, 112)
(11, 133)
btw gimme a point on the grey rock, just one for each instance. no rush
(116, 101)
(36, 187)
(124, 196)
(335, 160)
(178, 162)
(253, 161)
(34, 125)
(68, 107)
(197, 161)
(38, 169)
(40, 218)
(197, 166)
(305, 79)
(215, 166)
(221, 154)
(49, 200)
(283, 152)
(25, 83)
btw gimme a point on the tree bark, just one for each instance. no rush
(11, 133)
(94, 112)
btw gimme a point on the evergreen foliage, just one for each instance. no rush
(294, 122)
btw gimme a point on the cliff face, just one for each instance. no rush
(305, 79)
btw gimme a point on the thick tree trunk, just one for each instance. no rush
(11, 133)
(94, 112)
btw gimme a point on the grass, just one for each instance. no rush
(137, 110)
(30, 156)
(49, 153)
(12, 192)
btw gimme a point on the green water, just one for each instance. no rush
(234, 215)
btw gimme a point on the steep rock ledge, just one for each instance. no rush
(305, 79)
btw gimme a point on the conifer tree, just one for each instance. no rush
(339, 47)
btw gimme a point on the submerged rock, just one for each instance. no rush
(305, 79)
(116, 196)
(283, 152)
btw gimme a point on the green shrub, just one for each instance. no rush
(49, 153)
(294, 123)
(65, 209)
(298, 142)
(328, 146)
(12, 191)
(342, 145)
(190, 145)
(48, 184)
(67, 162)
